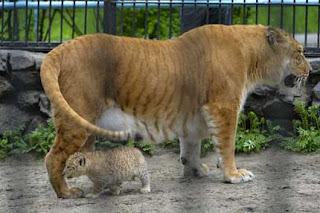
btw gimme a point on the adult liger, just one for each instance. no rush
(192, 87)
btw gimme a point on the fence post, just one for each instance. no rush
(109, 17)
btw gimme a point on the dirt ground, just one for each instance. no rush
(285, 182)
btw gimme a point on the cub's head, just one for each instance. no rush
(75, 165)
(289, 60)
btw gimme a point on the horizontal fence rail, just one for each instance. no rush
(152, 3)
(41, 25)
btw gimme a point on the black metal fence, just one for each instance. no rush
(41, 25)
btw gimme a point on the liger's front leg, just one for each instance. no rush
(221, 121)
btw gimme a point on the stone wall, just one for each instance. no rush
(23, 102)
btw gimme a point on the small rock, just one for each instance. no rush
(12, 118)
(21, 60)
(249, 209)
(278, 109)
(290, 91)
(28, 100)
(255, 104)
(316, 103)
(315, 72)
(34, 123)
(316, 91)
(5, 87)
(262, 90)
(26, 80)
(285, 187)
(16, 197)
(231, 199)
(44, 105)
(287, 98)
(38, 57)
(315, 63)
(3, 60)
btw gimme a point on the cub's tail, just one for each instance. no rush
(50, 71)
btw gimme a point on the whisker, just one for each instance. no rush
(304, 80)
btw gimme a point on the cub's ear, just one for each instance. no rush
(82, 162)
(274, 36)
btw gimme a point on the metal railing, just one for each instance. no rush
(41, 25)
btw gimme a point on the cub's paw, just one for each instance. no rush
(239, 176)
(72, 193)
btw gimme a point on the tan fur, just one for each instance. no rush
(109, 168)
(192, 86)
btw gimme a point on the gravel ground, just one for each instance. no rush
(285, 182)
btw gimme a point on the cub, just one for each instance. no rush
(109, 168)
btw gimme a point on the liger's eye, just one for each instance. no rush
(300, 50)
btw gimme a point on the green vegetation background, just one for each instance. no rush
(253, 135)
(125, 20)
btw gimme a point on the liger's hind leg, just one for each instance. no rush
(68, 141)
(190, 149)
(221, 121)
(115, 189)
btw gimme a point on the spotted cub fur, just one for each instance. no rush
(109, 168)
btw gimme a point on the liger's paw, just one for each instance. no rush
(145, 190)
(199, 172)
(205, 168)
(72, 193)
(239, 176)
(92, 196)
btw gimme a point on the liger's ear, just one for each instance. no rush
(274, 36)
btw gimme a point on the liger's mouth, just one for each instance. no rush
(300, 80)
(295, 81)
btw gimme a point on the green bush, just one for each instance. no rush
(146, 148)
(206, 145)
(39, 141)
(307, 129)
(252, 133)
(171, 144)
(106, 144)
(12, 142)
(149, 30)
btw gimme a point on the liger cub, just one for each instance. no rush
(108, 169)
(193, 87)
